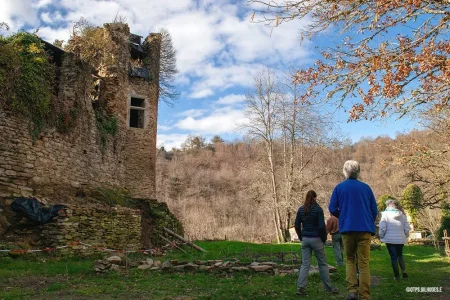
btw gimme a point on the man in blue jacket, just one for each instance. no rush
(353, 202)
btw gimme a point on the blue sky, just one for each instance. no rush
(219, 51)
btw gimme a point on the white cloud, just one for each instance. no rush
(46, 18)
(193, 113)
(18, 13)
(213, 78)
(43, 3)
(51, 18)
(220, 121)
(97, 12)
(164, 128)
(200, 92)
(195, 37)
(49, 34)
(182, 79)
(231, 99)
(170, 141)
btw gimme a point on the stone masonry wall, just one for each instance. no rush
(75, 160)
(140, 158)
(54, 160)
(101, 226)
(141, 145)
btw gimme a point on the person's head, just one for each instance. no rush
(310, 199)
(351, 169)
(393, 204)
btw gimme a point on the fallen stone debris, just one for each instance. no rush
(117, 263)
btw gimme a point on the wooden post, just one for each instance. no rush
(184, 240)
(446, 243)
(171, 243)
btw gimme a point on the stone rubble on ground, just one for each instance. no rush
(115, 263)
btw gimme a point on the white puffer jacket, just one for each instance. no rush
(393, 227)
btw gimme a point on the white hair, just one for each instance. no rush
(351, 169)
(392, 203)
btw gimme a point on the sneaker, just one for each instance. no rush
(352, 296)
(333, 290)
(405, 276)
(396, 279)
(301, 292)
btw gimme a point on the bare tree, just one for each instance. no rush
(425, 157)
(263, 125)
(292, 134)
(430, 219)
(3, 27)
(167, 69)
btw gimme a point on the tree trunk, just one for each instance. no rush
(276, 208)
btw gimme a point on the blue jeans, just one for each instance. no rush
(310, 244)
(338, 246)
(396, 254)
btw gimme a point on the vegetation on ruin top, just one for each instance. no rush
(27, 79)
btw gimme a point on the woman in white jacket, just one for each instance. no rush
(393, 230)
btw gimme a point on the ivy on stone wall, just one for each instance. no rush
(107, 127)
(27, 79)
(65, 122)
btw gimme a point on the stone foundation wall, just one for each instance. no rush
(135, 224)
(111, 227)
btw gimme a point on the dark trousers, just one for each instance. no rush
(396, 254)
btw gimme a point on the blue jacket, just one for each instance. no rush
(353, 202)
(312, 225)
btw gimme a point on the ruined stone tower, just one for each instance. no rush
(131, 80)
(126, 81)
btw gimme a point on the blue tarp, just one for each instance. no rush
(34, 211)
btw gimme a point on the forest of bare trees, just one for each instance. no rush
(222, 189)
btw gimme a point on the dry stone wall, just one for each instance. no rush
(101, 226)
(115, 263)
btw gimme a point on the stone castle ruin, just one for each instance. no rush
(75, 159)
(123, 81)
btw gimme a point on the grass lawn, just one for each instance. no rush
(43, 277)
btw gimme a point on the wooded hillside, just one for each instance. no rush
(222, 190)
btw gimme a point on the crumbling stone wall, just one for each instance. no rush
(102, 226)
(140, 172)
(134, 224)
(114, 72)
(74, 161)
(55, 161)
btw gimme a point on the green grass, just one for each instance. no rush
(70, 278)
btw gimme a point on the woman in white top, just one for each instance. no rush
(393, 229)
